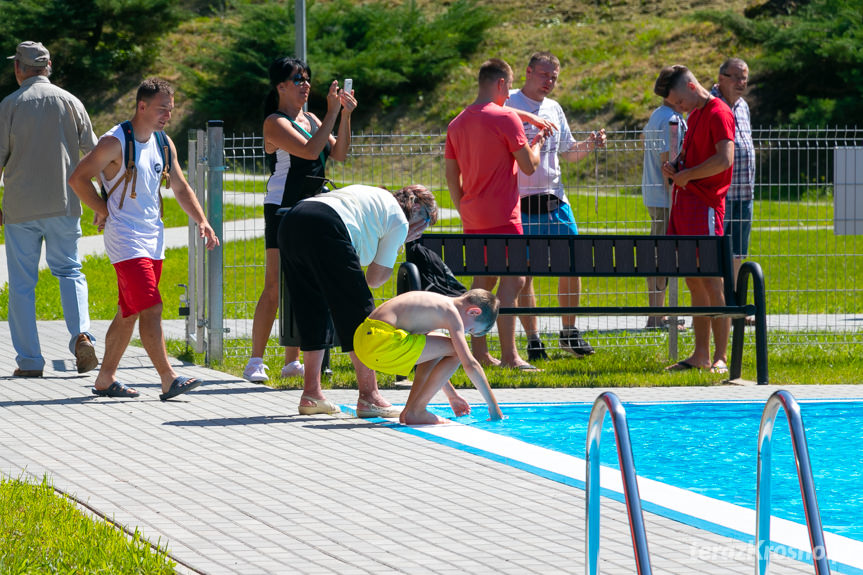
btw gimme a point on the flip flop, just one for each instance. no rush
(366, 409)
(527, 368)
(681, 366)
(319, 406)
(116, 389)
(719, 366)
(180, 385)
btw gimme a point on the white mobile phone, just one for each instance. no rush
(348, 86)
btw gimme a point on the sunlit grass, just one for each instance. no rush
(44, 532)
(633, 360)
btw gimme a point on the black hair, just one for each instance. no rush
(670, 78)
(282, 69)
(152, 86)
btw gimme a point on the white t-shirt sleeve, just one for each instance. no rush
(392, 240)
(567, 140)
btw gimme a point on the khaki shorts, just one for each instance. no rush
(659, 220)
(387, 349)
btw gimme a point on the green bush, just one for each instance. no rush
(98, 47)
(811, 70)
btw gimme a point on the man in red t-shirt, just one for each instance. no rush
(701, 176)
(485, 146)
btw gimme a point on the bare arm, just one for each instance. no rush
(583, 149)
(377, 275)
(715, 164)
(453, 181)
(279, 132)
(527, 157)
(343, 142)
(185, 196)
(471, 366)
(108, 151)
(537, 121)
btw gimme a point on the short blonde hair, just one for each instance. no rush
(488, 304)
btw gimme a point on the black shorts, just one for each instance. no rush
(271, 226)
(323, 272)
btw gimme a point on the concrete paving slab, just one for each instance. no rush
(233, 480)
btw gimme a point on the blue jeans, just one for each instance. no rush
(23, 251)
(738, 225)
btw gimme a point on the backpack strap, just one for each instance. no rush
(131, 172)
(167, 165)
(303, 131)
(167, 159)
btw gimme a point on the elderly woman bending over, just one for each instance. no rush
(324, 241)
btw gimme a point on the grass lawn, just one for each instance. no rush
(174, 216)
(807, 271)
(634, 361)
(42, 531)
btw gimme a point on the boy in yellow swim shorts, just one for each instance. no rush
(395, 337)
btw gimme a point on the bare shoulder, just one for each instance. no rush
(417, 312)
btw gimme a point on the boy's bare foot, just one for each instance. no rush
(423, 417)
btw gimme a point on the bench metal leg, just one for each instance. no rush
(735, 367)
(747, 270)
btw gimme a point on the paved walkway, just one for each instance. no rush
(232, 480)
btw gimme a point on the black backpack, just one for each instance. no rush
(131, 173)
(435, 276)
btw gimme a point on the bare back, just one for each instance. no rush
(420, 312)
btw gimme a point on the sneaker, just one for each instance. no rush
(293, 369)
(572, 342)
(535, 350)
(85, 354)
(256, 372)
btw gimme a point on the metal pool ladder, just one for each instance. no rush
(609, 402)
(784, 399)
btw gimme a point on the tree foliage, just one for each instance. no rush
(811, 71)
(392, 52)
(97, 46)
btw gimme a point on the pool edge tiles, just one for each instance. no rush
(787, 537)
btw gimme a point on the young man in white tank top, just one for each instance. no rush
(134, 234)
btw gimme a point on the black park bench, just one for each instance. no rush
(612, 256)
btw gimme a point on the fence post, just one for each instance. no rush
(192, 176)
(199, 309)
(215, 174)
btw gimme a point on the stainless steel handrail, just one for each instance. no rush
(784, 399)
(609, 402)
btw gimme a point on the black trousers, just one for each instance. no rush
(323, 274)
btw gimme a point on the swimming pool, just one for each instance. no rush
(705, 448)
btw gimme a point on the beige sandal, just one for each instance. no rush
(320, 406)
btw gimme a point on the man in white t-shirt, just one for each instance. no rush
(662, 138)
(544, 206)
(134, 232)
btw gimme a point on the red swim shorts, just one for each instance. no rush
(692, 217)
(138, 284)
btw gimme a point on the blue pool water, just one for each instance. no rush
(711, 448)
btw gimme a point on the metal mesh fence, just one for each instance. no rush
(814, 277)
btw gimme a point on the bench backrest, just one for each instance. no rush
(585, 255)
